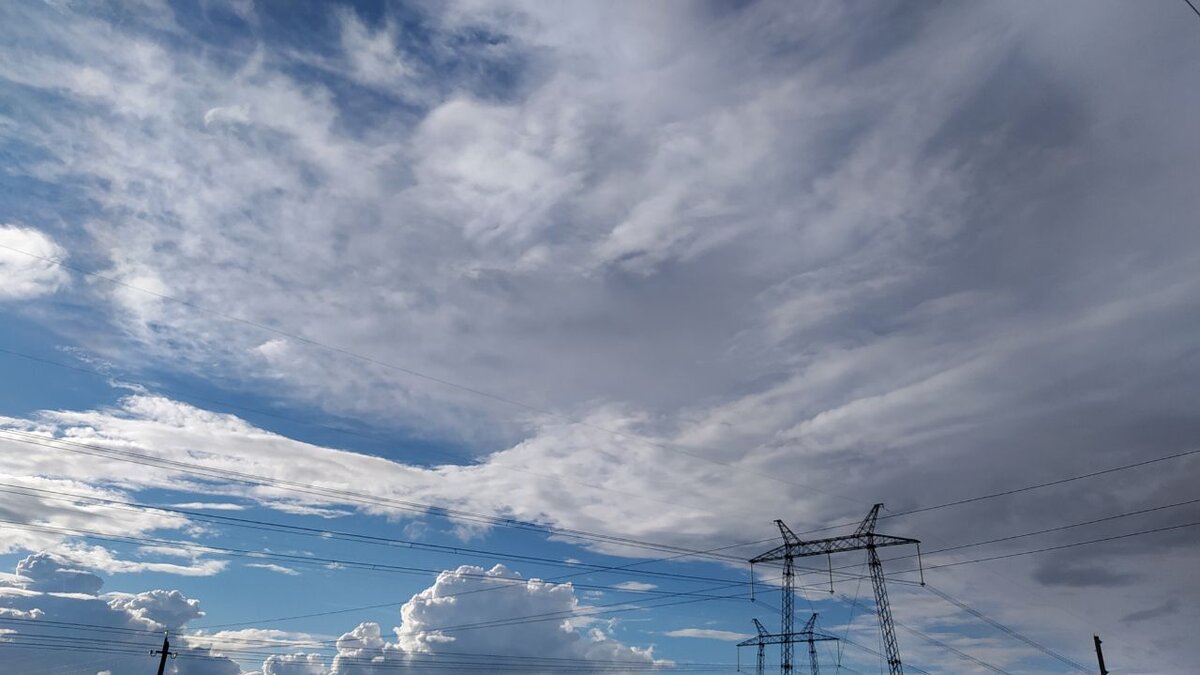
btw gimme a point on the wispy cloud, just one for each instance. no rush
(271, 567)
(708, 634)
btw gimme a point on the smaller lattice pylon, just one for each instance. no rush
(809, 635)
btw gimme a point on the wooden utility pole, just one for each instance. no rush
(165, 652)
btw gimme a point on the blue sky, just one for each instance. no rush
(654, 273)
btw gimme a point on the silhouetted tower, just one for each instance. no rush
(786, 553)
(808, 634)
(761, 642)
(864, 538)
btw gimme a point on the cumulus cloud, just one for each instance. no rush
(438, 623)
(26, 270)
(294, 664)
(44, 572)
(47, 592)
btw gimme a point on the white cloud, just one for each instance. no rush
(636, 586)
(271, 567)
(708, 634)
(27, 272)
(435, 624)
(209, 506)
(47, 589)
(294, 664)
(233, 114)
(373, 55)
(43, 572)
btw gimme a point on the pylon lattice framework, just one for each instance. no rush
(808, 634)
(864, 538)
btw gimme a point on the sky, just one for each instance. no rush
(360, 338)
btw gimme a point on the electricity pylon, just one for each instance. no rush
(808, 634)
(864, 538)
(785, 553)
(760, 641)
(812, 637)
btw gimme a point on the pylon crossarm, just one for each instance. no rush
(775, 554)
(864, 538)
(808, 625)
(807, 549)
(794, 638)
(867, 526)
(748, 643)
(789, 537)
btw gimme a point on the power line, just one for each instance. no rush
(317, 647)
(1128, 535)
(342, 430)
(414, 373)
(353, 609)
(954, 650)
(1008, 631)
(324, 533)
(217, 642)
(139, 458)
(409, 660)
(1189, 4)
(1062, 527)
(1023, 535)
(309, 560)
(339, 494)
(612, 608)
(879, 654)
(1027, 488)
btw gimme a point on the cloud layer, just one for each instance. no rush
(782, 260)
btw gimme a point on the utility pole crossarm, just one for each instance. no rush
(163, 653)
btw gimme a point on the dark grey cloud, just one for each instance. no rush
(1081, 575)
(1166, 609)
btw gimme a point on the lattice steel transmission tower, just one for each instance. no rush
(864, 538)
(761, 642)
(812, 637)
(808, 634)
